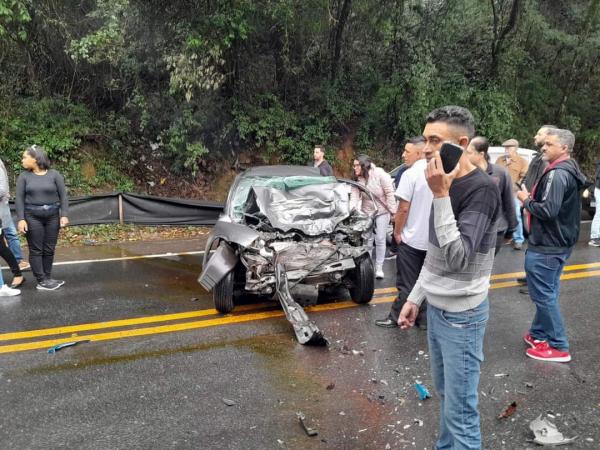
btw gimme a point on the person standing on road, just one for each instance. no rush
(595, 232)
(42, 208)
(411, 229)
(517, 168)
(554, 209)
(380, 184)
(455, 277)
(14, 256)
(320, 162)
(534, 172)
(477, 152)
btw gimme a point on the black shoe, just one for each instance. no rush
(524, 290)
(59, 282)
(390, 255)
(386, 323)
(522, 280)
(47, 285)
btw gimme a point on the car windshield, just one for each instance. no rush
(240, 196)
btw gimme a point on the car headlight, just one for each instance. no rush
(586, 194)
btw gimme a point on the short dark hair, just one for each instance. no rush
(415, 140)
(454, 115)
(39, 154)
(481, 144)
(321, 148)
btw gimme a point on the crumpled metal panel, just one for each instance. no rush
(313, 209)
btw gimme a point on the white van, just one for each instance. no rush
(496, 152)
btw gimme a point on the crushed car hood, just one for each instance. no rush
(313, 209)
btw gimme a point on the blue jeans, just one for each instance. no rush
(518, 236)
(456, 349)
(543, 281)
(14, 244)
(595, 234)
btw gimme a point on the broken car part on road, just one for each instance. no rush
(546, 432)
(287, 232)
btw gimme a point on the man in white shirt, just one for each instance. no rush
(411, 228)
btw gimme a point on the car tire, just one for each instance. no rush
(223, 293)
(363, 280)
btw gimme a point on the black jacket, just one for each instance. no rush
(556, 209)
(598, 178)
(507, 220)
(534, 171)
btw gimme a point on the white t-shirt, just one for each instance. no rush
(413, 188)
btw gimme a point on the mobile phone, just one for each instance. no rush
(450, 154)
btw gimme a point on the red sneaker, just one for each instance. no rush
(544, 352)
(529, 340)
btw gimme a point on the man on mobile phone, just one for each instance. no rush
(455, 276)
(534, 173)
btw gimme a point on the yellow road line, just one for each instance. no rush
(227, 320)
(118, 323)
(504, 276)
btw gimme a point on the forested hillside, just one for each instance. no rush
(164, 96)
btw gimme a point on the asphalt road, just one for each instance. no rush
(161, 365)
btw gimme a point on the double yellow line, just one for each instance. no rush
(245, 313)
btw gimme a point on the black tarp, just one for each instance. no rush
(140, 209)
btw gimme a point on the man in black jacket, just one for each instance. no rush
(554, 211)
(535, 170)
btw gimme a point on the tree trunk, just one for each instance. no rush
(339, 31)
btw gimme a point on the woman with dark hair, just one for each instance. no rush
(381, 186)
(42, 207)
(477, 152)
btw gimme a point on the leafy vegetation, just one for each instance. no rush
(190, 83)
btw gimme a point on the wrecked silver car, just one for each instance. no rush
(287, 232)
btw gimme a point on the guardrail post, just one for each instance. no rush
(120, 209)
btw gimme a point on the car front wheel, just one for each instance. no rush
(363, 280)
(223, 294)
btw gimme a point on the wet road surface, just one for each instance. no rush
(161, 364)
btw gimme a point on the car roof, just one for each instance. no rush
(281, 171)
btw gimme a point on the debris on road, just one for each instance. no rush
(529, 385)
(546, 432)
(508, 411)
(422, 391)
(501, 375)
(302, 418)
(228, 402)
(66, 344)
(419, 422)
(194, 299)
(330, 386)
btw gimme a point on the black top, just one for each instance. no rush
(38, 190)
(507, 221)
(556, 209)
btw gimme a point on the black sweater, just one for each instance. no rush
(44, 189)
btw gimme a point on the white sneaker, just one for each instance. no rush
(379, 272)
(7, 291)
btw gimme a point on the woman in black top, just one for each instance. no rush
(42, 207)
